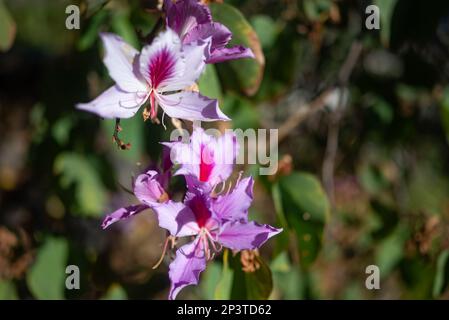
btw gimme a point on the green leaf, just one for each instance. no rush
(266, 29)
(224, 285)
(441, 275)
(115, 292)
(255, 285)
(209, 84)
(94, 6)
(7, 28)
(243, 113)
(386, 8)
(61, 130)
(391, 250)
(315, 8)
(445, 112)
(46, 279)
(247, 73)
(7, 290)
(90, 35)
(90, 193)
(306, 209)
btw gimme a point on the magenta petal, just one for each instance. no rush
(177, 218)
(225, 54)
(234, 206)
(147, 188)
(191, 106)
(114, 103)
(122, 213)
(185, 270)
(162, 62)
(242, 236)
(219, 34)
(184, 15)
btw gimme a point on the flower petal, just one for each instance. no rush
(225, 54)
(162, 61)
(147, 188)
(178, 219)
(119, 59)
(191, 106)
(241, 236)
(114, 103)
(219, 34)
(234, 206)
(225, 153)
(122, 213)
(185, 270)
(195, 55)
(184, 15)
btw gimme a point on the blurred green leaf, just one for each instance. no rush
(7, 290)
(46, 278)
(390, 251)
(247, 72)
(266, 29)
(224, 285)
(441, 275)
(209, 84)
(306, 209)
(445, 112)
(90, 33)
(315, 8)
(93, 6)
(7, 28)
(121, 25)
(90, 192)
(115, 292)
(61, 130)
(386, 8)
(255, 285)
(244, 115)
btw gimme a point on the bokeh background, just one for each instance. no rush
(363, 119)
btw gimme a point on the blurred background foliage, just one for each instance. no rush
(363, 118)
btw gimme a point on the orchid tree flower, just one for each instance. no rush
(205, 161)
(148, 189)
(158, 74)
(214, 224)
(193, 21)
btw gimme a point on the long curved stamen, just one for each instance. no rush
(229, 188)
(169, 238)
(223, 186)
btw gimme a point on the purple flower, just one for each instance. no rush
(148, 189)
(205, 161)
(157, 74)
(214, 223)
(193, 22)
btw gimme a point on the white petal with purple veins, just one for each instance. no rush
(119, 58)
(191, 106)
(115, 103)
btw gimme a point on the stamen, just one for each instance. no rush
(163, 124)
(239, 178)
(229, 188)
(213, 243)
(223, 186)
(169, 238)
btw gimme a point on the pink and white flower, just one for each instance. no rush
(160, 73)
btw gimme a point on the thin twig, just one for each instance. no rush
(303, 112)
(115, 138)
(334, 121)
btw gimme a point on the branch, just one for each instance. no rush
(334, 122)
